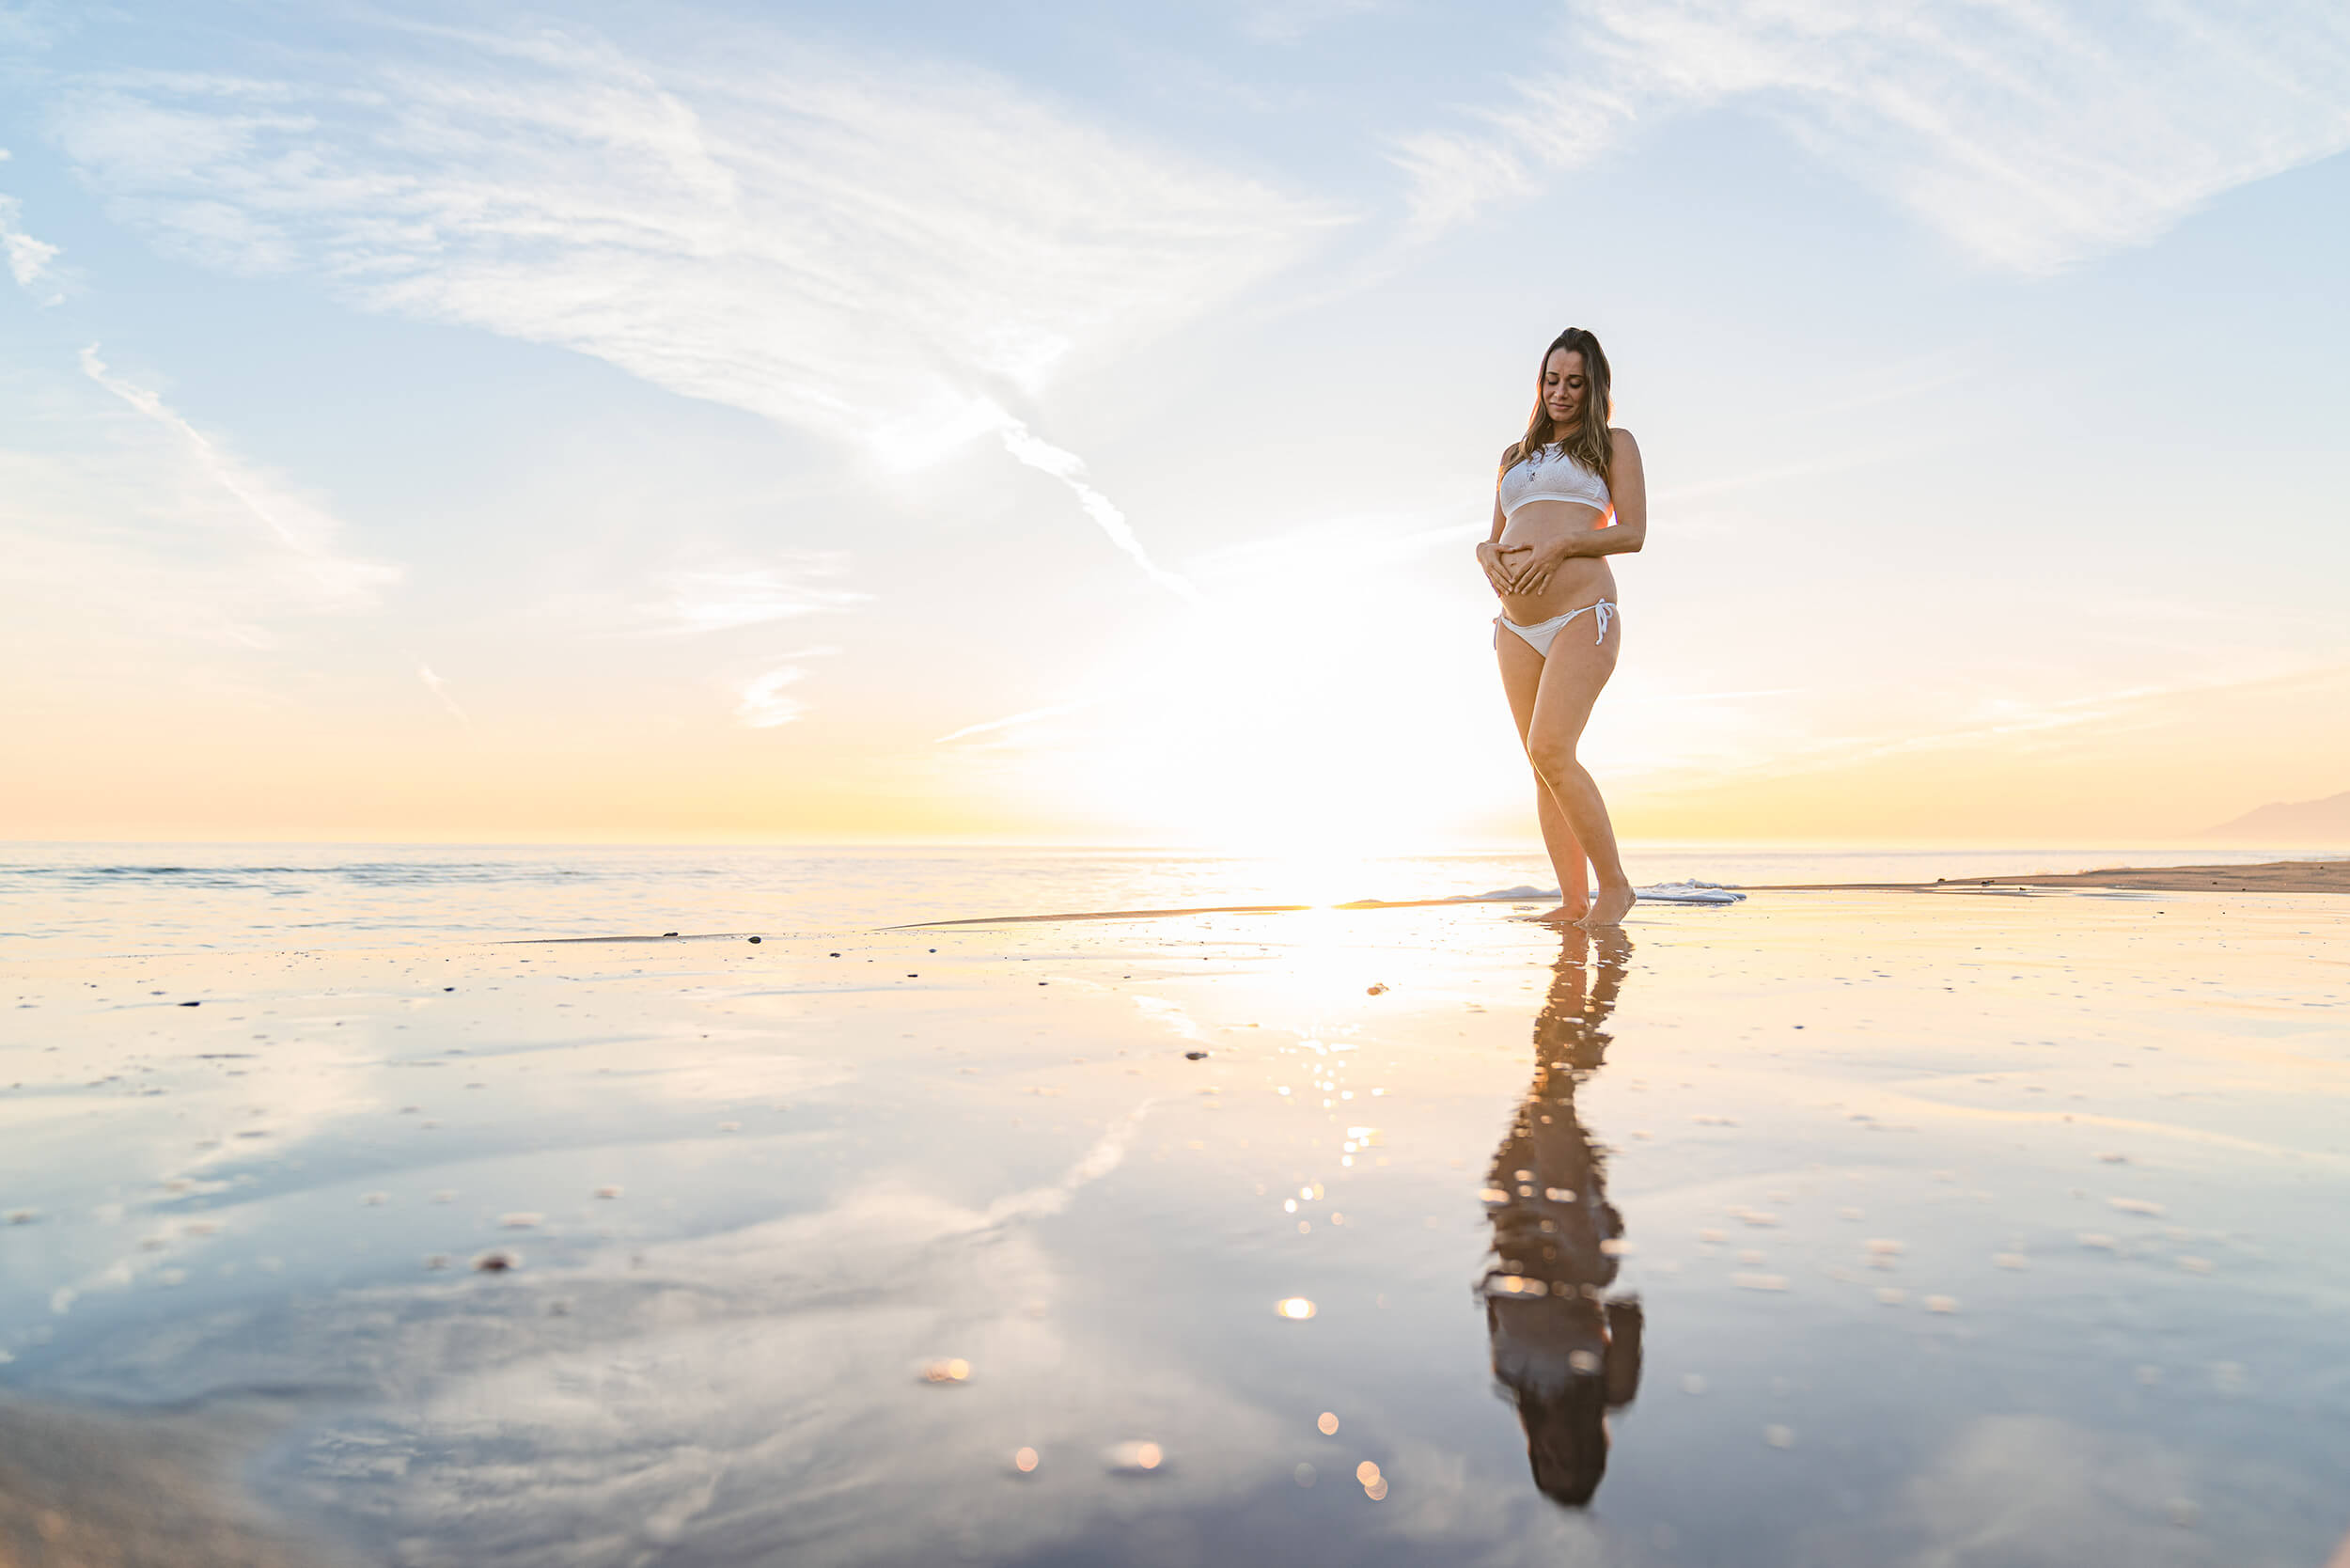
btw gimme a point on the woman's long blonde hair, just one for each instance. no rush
(1588, 443)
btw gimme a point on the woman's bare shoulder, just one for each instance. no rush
(1621, 439)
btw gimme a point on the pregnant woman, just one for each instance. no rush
(1571, 495)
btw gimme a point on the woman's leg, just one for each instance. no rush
(1566, 854)
(1571, 678)
(1522, 677)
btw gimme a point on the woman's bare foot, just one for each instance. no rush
(1611, 908)
(1565, 915)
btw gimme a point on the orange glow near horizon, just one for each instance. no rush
(1322, 777)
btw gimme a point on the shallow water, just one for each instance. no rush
(91, 899)
(1939, 1229)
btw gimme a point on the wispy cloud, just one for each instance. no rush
(1013, 720)
(1287, 21)
(762, 702)
(1069, 469)
(153, 570)
(304, 533)
(1352, 545)
(764, 705)
(888, 253)
(35, 23)
(438, 686)
(2032, 132)
(1729, 697)
(718, 601)
(714, 599)
(1999, 725)
(28, 259)
(1781, 474)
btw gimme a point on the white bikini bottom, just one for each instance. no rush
(1540, 635)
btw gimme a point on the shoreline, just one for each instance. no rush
(2274, 877)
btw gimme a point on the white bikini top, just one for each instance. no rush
(1552, 475)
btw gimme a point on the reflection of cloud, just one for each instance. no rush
(1171, 1015)
(882, 252)
(1107, 1154)
(2031, 134)
(2036, 1491)
(745, 1394)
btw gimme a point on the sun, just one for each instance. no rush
(1256, 729)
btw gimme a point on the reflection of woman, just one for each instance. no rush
(1565, 1354)
(1548, 558)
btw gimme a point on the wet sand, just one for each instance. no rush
(2275, 876)
(1835, 1229)
(150, 1489)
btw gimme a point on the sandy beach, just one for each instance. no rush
(1916, 1223)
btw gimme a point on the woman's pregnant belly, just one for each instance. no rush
(1575, 582)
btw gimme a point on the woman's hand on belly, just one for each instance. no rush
(1501, 569)
(1546, 574)
(1546, 530)
(1544, 556)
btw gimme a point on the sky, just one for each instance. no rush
(1065, 423)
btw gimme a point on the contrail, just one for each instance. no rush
(438, 686)
(219, 468)
(1053, 711)
(1069, 469)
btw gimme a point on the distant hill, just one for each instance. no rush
(2303, 824)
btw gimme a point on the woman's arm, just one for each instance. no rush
(1627, 487)
(1500, 574)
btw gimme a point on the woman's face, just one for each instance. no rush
(1566, 390)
